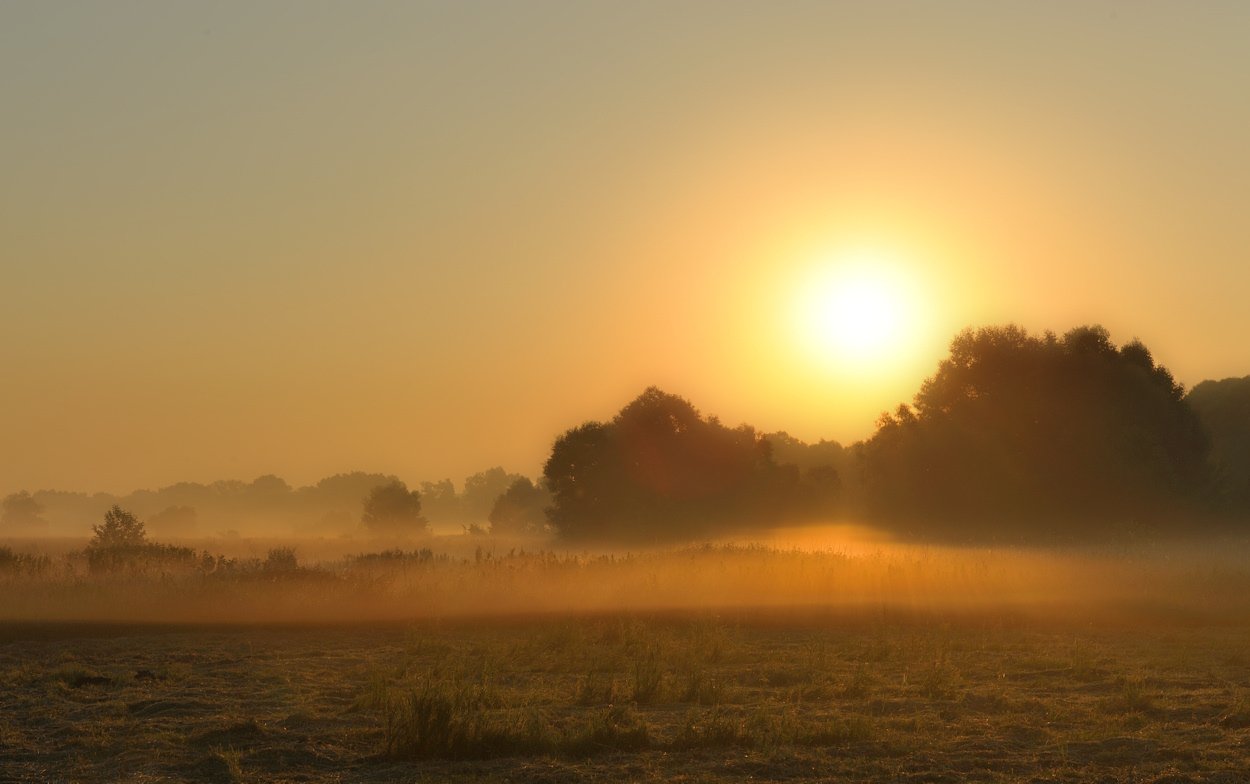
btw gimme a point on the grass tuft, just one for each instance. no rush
(648, 677)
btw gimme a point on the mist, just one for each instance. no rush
(1049, 475)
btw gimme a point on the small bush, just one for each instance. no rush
(281, 560)
(140, 557)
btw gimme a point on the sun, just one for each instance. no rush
(856, 311)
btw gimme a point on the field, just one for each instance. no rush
(879, 665)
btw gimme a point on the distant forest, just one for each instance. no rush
(267, 505)
(1016, 437)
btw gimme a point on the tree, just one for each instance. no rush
(1224, 409)
(440, 502)
(393, 508)
(1024, 435)
(22, 511)
(579, 473)
(481, 490)
(521, 509)
(344, 491)
(661, 470)
(120, 529)
(121, 542)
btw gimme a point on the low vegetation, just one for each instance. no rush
(468, 577)
(462, 661)
(797, 697)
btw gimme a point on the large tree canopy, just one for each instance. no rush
(1015, 429)
(1224, 408)
(660, 470)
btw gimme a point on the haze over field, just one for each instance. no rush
(421, 240)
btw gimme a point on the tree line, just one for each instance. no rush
(267, 504)
(1015, 437)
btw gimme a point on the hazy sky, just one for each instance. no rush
(304, 238)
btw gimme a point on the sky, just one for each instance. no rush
(425, 238)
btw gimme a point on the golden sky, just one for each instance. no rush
(423, 239)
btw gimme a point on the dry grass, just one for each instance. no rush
(1202, 583)
(797, 698)
(719, 663)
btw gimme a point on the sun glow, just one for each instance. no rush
(857, 311)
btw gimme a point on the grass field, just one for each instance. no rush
(934, 667)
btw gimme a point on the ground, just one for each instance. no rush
(878, 695)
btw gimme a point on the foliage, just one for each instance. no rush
(398, 557)
(822, 455)
(121, 542)
(481, 491)
(21, 511)
(140, 557)
(442, 504)
(439, 501)
(1021, 430)
(281, 561)
(521, 509)
(119, 529)
(660, 470)
(393, 508)
(1224, 409)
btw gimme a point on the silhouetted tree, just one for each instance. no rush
(521, 509)
(582, 474)
(393, 508)
(121, 542)
(787, 449)
(820, 465)
(1224, 409)
(481, 490)
(339, 497)
(1016, 431)
(440, 501)
(119, 529)
(21, 512)
(267, 494)
(660, 470)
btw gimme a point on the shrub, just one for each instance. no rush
(281, 560)
(140, 557)
(119, 529)
(121, 542)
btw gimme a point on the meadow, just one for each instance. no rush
(473, 660)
